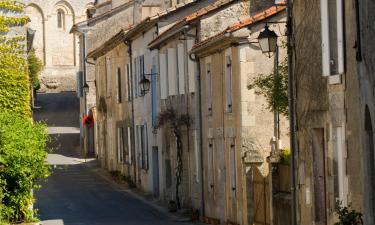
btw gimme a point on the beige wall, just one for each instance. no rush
(118, 114)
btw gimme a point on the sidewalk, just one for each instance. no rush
(153, 203)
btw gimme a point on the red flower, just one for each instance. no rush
(88, 121)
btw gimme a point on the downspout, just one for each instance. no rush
(292, 111)
(200, 131)
(130, 54)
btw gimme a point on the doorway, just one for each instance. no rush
(319, 176)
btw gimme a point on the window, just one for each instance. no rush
(211, 166)
(60, 19)
(139, 71)
(142, 146)
(332, 29)
(121, 144)
(128, 81)
(228, 83)
(209, 88)
(233, 166)
(108, 75)
(118, 86)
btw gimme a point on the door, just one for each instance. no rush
(155, 169)
(319, 176)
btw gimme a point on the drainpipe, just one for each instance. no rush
(200, 130)
(292, 111)
(130, 54)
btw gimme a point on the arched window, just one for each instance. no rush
(61, 19)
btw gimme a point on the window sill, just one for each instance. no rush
(335, 79)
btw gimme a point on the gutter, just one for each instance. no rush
(203, 205)
(292, 110)
(130, 54)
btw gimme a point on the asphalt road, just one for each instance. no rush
(76, 194)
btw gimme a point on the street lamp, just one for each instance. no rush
(145, 85)
(268, 41)
(86, 88)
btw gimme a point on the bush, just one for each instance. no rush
(285, 157)
(23, 163)
(348, 216)
(35, 66)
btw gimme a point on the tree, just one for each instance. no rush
(176, 122)
(274, 88)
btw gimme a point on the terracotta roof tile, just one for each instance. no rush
(243, 23)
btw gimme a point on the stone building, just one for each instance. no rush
(333, 69)
(237, 128)
(53, 43)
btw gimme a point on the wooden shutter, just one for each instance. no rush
(118, 86)
(163, 76)
(130, 145)
(209, 87)
(233, 165)
(172, 72)
(191, 68)
(228, 83)
(181, 68)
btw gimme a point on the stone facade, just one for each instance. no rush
(54, 45)
(237, 129)
(334, 114)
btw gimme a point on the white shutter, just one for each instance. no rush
(191, 68)
(163, 77)
(340, 36)
(325, 37)
(181, 68)
(172, 72)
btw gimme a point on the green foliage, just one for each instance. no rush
(35, 66)
(23, 162)
(285, 157)
(14, 82)
(348, 216)
(274, 88)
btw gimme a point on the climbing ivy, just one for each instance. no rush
(274, 88)
(14, 82)
(35, 67)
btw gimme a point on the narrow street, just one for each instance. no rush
(76, 194)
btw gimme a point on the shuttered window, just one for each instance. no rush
(172, 72)
(118, 86)
(120, 144)
(129, 142)
(191, 68)
(143, 146)
(181, 68)
(79, 84)
(332, 31)
(128, 83)
(163, 76)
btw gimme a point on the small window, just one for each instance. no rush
(61, 19)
